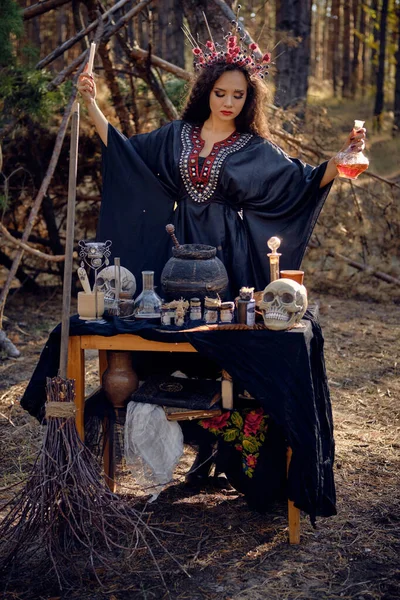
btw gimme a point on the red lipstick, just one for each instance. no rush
(227, 112)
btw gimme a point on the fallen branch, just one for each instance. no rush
(357, 265)
(28, 248)
(364, 267)
(41, 7)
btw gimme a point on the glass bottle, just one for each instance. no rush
(148, 303)
(349, 163)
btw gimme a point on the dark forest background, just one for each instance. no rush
(333, 62)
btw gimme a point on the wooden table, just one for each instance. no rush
(129, 342)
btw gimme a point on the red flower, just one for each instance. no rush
(251, 461)
(232, 39)
(216, 422)
(253, 46)
(210, 45)
(266, 58)
(239, 448)
(252, 422)
(197, 51)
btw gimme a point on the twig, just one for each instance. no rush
(41, 7)
(7, 419)
(72, 41)
(28, 248)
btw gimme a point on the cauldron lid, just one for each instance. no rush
(194, 251)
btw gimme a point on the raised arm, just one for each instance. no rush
(355, 139)
(87, 88)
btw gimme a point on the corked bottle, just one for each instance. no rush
(246, 306)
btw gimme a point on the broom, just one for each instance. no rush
(65, 519)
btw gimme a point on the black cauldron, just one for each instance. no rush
(194, 271)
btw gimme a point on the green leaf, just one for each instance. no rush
(237, 419)
(250, 446)
(262, 437)
(230, 435)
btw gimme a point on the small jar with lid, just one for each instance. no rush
(165, 315)
(125, 304)
(211, 310)
(195, 309)
(226, 312)
(246, 306)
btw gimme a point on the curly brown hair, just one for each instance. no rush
(251, 119)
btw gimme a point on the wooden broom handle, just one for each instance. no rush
(69, 245)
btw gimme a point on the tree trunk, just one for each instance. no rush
(346, 66)
(169, 39)
(61, 27)
(293, 24)
(118, 101)
(334, 52)
(374, 20)
(355, 65)
(54, 236)
(396, 109)
(218, 22)
(317, 61)
(364, 62)
(380, 80)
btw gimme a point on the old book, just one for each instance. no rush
(183, 414)
(179, 392)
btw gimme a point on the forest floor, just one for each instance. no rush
(230, 552)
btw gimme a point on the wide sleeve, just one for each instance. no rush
(138, 199)
(283, 199)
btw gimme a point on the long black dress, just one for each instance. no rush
(244, 192)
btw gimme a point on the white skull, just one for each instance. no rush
(284, 302)
(105, 282)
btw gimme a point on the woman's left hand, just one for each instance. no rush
(356, 140)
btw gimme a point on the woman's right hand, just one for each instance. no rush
(86, 86)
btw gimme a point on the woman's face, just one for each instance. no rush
(228, 95)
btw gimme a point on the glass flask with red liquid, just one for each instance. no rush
(349, 163)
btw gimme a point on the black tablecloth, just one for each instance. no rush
(284, 371)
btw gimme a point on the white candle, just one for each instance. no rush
(91, 58)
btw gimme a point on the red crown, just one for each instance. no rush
(232, 52)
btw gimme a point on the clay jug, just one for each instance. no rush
(119, 379)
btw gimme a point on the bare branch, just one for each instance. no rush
(41, 7)
(38, 201)
(72, 41)
(28, 248)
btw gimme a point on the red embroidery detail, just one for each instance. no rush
(201, 178)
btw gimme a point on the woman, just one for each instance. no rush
(215, 175)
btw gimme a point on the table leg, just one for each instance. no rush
(293, 512)
(108, 432)
(76, 370)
